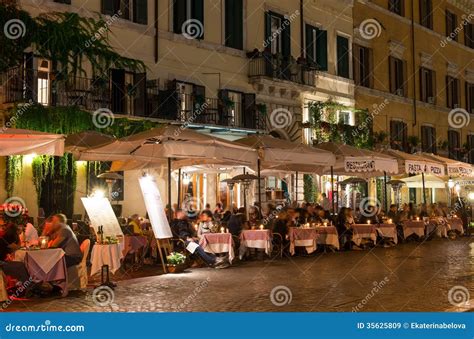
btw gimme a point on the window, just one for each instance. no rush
(43, 82)
(454, 144)
(453, 95)
(398, 73)
(397, 6)
(344, 117)
(343, 57)
(470, 97)
(428, 85)
(67, 2)
(134, 10)
(316, 47)
(451, 25)
(428, 139)
(398, 135)
(186, 10)
(363, 66)
(426, 13)
(234, 24)
(277, 34)
(468, 34)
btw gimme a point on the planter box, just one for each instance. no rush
(176, 268)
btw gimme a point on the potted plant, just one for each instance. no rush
(413, 143)
(176, 262)
(443, 147)
(262, 108)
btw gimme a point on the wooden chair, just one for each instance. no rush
(77, 275)
(3, 287)
(278, 244)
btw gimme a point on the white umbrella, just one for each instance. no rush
(454, 168)
(431, 181)
(22, 142)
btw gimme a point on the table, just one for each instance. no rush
(456, 225)
(255, 239)
(413, 227)
(327, 235)
(218, 243)
(45, 265)
(305, 237)
(437, 226)
(106, 255)
(363, 231)
(132, 243)
(388, 231)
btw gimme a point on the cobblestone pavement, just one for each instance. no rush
(409, 277)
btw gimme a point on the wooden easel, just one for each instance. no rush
(166, 246)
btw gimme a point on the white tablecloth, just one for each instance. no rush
(110, 255)
(363, 231)
(456, 225)
(45, 259)
(218, 243)
(327, 235)
(437, 226)
(413, 227)
(255, 239)
(303, 237)
(388, 231)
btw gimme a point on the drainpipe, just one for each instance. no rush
(302, 49)
(156, 32)
(413, 61)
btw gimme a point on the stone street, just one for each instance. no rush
(405, 278)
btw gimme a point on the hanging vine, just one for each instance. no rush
(13, 173)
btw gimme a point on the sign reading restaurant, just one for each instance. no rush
(359, 165)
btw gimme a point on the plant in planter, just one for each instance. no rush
(227, 102)
(262, 108)
(443, 147)
(413, 143)
(175, 262)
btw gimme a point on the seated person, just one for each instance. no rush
(63, 237)
(9, 243)
(28, 234)
(135, 224)
(205, 224)
(180, 227)
(236, 222)
(393, 214)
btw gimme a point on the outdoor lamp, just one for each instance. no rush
(457, 188)
(450, 183)
(98, 193)
(471, 196)
(186, 179)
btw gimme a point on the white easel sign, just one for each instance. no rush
(155, 208)
(100, 213)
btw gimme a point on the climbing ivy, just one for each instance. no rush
(13, 173)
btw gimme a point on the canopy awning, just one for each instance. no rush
(415, 164)
(353, 161)
(159, 144)
(283, 155)
(454, 168)
(431, 181)
(23, 142)
(87, 139)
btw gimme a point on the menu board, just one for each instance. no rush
(100, 213)
(155, 208)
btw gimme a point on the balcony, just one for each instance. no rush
(276, 67)
(140, 97)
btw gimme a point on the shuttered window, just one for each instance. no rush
(451, 25)
(398, 76)
(454, 144)
(470, 97)
(140, 11)
(428, 85)
(426, 13)
(316, 47)
(234, 23)
(67, 2)
(398, 135)
(469, 34)
(187, 13)
(277, 34)
(397, 7)
(134, 10)
(428, 139)
(453, 94)
(343, 57)
(363, 66)
(470, 148)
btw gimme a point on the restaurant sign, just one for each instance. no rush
(155, 208)
(100, 213)
(460, 171)
(359, 165)
(414, 167)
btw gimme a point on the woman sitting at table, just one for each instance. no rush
(9, 243)
(135, 224)
(28, 234)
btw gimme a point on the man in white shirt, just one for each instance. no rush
(325, 203)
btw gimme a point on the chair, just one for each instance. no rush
(3, 288)
(77, 275)
(278, 244)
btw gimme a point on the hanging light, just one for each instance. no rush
(471, 196)
(451, 183)
(186, 179)
(457, 188)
